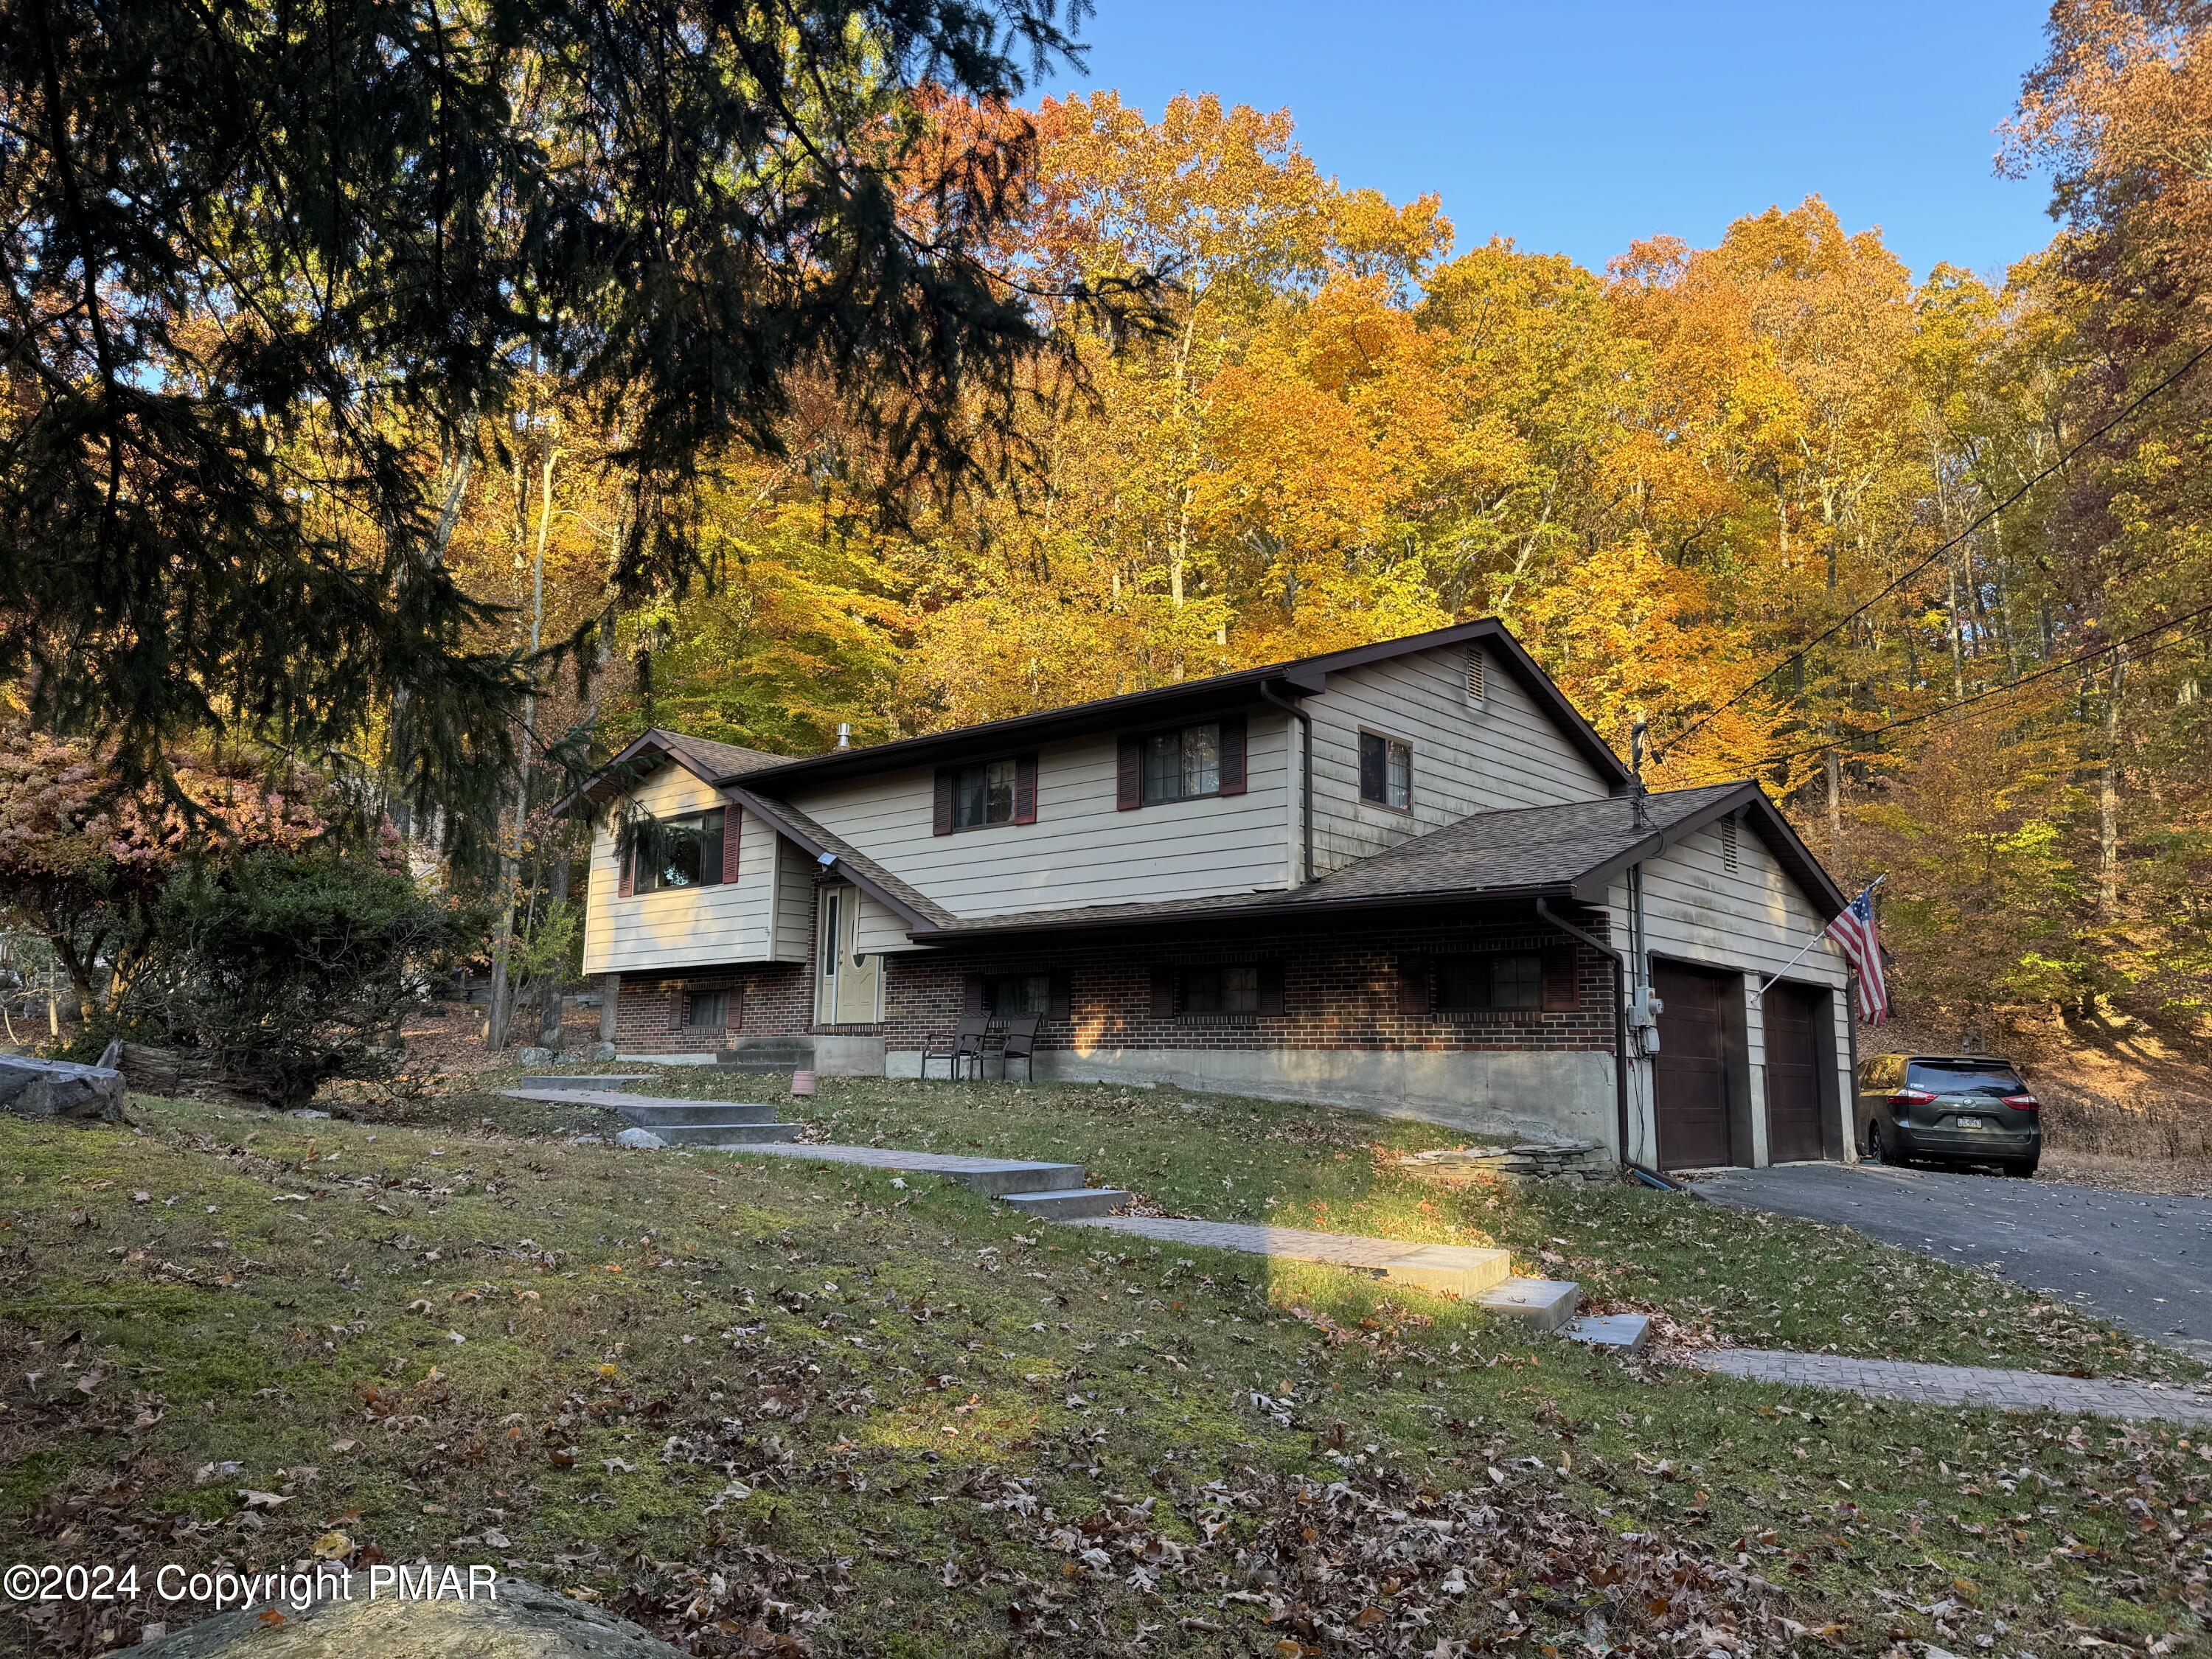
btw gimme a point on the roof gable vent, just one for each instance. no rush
(1729, 848)
(1478, 679)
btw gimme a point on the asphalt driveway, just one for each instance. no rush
(2142, 1260)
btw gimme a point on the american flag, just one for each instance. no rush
(1854, 930)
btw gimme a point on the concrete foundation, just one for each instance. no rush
(1517, 1095)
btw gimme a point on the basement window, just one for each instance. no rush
(1229, 988)
(707, 1010)
(1017, 996)
(1487, 983)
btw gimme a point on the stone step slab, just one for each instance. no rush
(1629, 1333)
(748, 1135)
(1462, 1270)
(652, 1115)
(572, 1081)
(993, 1177)
(1069, 1204)
(1544, 1304)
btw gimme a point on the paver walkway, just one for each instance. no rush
(1461, 1268)
(1958, 1385)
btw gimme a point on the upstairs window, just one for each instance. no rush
(1183, 762)
(985, 792)
(1386, 772)
(685, 851)
(1179, 765)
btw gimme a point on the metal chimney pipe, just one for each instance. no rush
(844, 734)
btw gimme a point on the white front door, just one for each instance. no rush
(845, 985)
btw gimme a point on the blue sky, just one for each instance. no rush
(1576, 128)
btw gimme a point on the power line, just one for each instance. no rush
(2009, 686)
(1851, 616)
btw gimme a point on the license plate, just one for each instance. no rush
(1970, 1123)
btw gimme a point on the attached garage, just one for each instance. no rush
(1700, 1085)
(1802, 1123)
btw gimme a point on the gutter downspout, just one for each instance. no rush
(1620, 1019)
(1305, 782)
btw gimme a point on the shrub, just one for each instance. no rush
(280, 971)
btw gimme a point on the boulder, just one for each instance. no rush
(602, 1051)
(639, 1140)
(538, 1055)
(508, 1620)
(58, 1088)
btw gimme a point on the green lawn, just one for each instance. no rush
(741, 1400)
(1753, 1280)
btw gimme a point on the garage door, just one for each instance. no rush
(1690, 1073)
(1793, 1074)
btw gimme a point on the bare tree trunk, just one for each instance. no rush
(549, 1006)
(501, 1013)
(1957, 635)
(1835, 770)
(2108, 798)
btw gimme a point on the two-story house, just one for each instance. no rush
(1408, 877)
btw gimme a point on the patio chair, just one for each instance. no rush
(957, 1049)
(1017, 1041)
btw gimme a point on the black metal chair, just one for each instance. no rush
(1016, 1040)
(957, 1049)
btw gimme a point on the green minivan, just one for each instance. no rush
(1952, 1109)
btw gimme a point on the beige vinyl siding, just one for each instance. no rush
(1752, 920)
(1081, 850)
(1505, 752)
(794, 902)
(690, 926)
(878, 928)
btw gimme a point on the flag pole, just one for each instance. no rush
(1816, 939)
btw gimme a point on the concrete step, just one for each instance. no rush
(1068, 1202)
(654, 1114)
(1013, 1176)
(1544, 1304)
(725, 1134)
(1461, 1270)
(1616, 1333)
(766, 1055)
(570, 1082)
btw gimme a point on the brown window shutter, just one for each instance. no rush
(626, 872)
(1063, 1000)
(1163, 991)
(1025, 789)
(941, 824)
(1271, 988)
(675, 1009)
(1128, 775)
(1562, 992)
(1414, 993)
(734, 823)
(971, 993)
(1232, 754)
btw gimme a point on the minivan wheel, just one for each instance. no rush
(2023, 1169)
(1874, 1151)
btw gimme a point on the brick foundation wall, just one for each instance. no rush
(1340, 991)
(773, 999)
